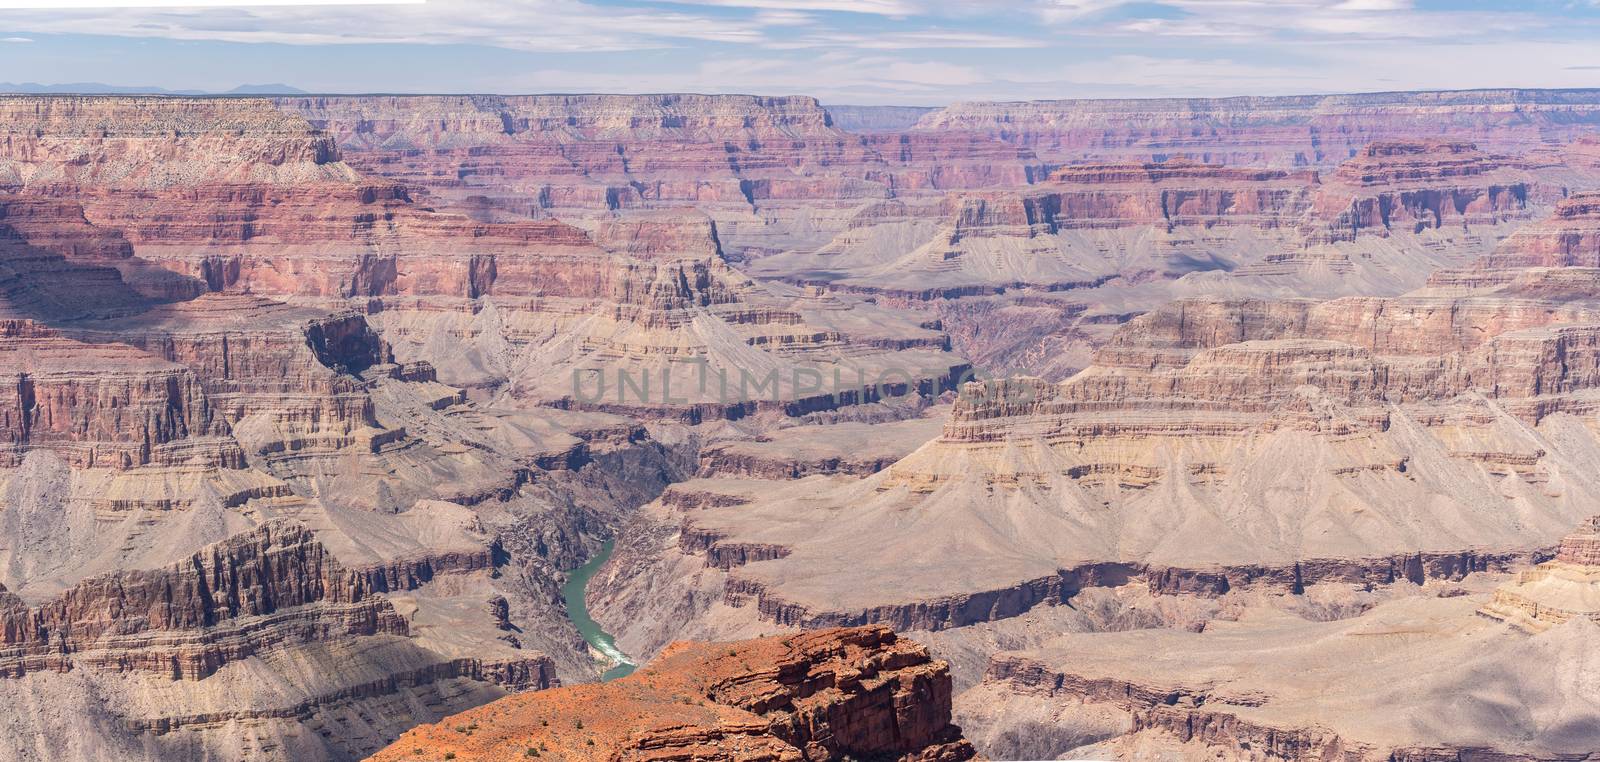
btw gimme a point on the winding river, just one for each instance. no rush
(574, 592)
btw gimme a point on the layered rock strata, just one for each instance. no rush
(1416, 678)
(825, 695)
(1284, 131)
(532, 305)
(1360, 440)
(770, 171)
(271, 587)
(1557, 591)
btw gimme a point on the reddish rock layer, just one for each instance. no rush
(99, 404)
(1571, 238)
(825, 695)
(1398, 185)
(1168, 194)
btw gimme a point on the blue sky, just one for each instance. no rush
(843, 51)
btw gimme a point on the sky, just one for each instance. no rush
(914, 52)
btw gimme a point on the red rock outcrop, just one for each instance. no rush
(1168, 194)
(102, 405)
(1571, 238)
(1421, 185)
(54, 264)
(825, 695)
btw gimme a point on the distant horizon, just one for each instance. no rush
(292, 92)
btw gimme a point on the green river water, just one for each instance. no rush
(578, 611)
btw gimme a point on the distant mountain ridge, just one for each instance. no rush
(100, 88)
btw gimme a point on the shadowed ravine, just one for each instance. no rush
(578, 611)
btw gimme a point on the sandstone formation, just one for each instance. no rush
(541, 305)
(1360, 440)
(1053, 266)
(258, 590)
(915, 213)
(1416, 678)
(1557, 591)
(851, 447)
(167, 409)
(316, 402)
(825, 695)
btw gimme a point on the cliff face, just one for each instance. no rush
(438, 121)
(169, 412)
(54, 264)
(352, 379)
(1571, 238)
(167, 386)
(1420, 185)
(772, 172)
(1168, 194)
(825, 695)
(1355, 440)
(75, 143)
(1293, 130)
(254, 592)
(1557, 591)
(1285, 689)
(97, 405)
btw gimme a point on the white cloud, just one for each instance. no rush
(61, 5)
(785, 18)
(1323, 20)
(535, 25)
(15, 39)
(916, 40)
(871, 7)
(1374, 5)
(1059, 11)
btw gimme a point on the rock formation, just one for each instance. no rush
(1359, 440)
(1557, 591)
(256, 591)
(825, 695)
(315, 399)
(1283, 131)
(1415, 678)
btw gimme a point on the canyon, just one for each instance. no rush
(1169, 428)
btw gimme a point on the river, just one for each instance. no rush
(574, 592)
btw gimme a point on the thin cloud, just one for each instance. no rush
(531, 25)
(870, 7)
(61, 5)
(909, 41)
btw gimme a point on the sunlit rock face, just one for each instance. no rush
(312, 400)
(831, 694)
